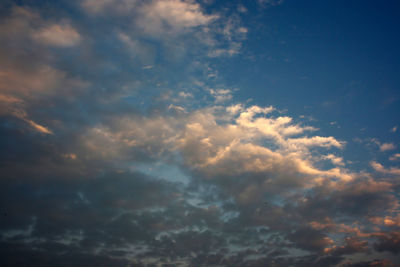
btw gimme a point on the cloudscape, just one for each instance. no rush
(199, 133)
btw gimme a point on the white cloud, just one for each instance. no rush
(167, 20)
(386, 146)
(62, 35)
(221, 95)
(172, 16)
(224, 141)
(334, 159)
(395, 157)
(176, 108)
(382, 146)
(380, 168)
(38, 127)
(185, 95)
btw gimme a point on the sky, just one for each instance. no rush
(199, 133)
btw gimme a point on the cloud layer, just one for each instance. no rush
(120, 145)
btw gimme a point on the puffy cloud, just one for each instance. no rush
(231, 147)
(380, 168)
(334, 159)
(386, 146)
(173, 16)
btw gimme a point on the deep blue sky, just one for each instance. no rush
(199, 132)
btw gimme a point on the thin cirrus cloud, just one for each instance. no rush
(122, 145)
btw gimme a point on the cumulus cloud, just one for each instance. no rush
(222, 145)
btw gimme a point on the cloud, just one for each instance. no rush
(120, 158)
(172, 16)
(185, 95)
(265, 3)
(176, 23)
(96, 7)
(335, 160)
(389, 243)
(221, 95)
(137, 49)
(24, 23)
(7, 99)
(386, 146)
(395, 157)
(222, 146)
(38, 127)
(62, 35)
(380, 168)
(43, 80)
(245, 175)
(352, 245)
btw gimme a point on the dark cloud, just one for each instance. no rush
(390, 242)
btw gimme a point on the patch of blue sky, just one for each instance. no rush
(164, 171)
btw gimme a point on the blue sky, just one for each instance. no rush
(199, 133)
